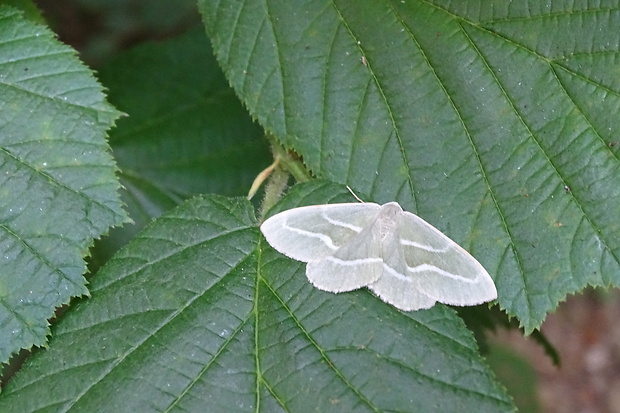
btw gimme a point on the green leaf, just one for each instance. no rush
(491, 123)
(29, 9)
(518, 375)
(186, 132)
(197, 313)
(57, 188)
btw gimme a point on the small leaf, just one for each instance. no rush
(57, 188)
(198, 314)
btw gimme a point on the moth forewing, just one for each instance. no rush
(313, 232)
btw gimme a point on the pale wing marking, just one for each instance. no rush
(329, 243)
(350, 263)
(408, 243)
(427, 267)
(341, 223)
(395, 273)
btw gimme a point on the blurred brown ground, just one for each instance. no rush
(585, 330)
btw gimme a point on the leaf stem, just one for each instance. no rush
(286, 163)
(289, 160)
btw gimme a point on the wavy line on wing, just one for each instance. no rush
(428, 267)
(351, 263)
(342, 224)
(329, 243)
(408, 243)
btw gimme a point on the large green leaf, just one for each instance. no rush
(494, 122)
(198, 314)
(186, 132)
(57, 186)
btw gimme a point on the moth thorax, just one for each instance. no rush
(388, 218)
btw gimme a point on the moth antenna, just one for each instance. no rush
(353, 193)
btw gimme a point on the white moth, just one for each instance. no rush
(404, 260)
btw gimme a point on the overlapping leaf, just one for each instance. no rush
(186, 132)
(493, 122)
(198, 314)
(57, 186)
